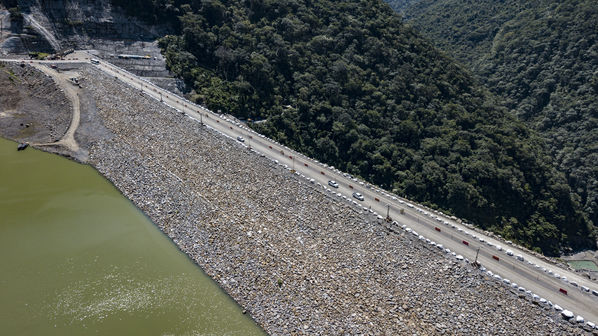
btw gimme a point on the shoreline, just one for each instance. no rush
(184, 254)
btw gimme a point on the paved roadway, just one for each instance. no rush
(528, 274)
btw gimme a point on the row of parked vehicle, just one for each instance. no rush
(536, 298)
(509, 252)
(356, 195)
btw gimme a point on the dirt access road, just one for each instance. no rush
(72, 93)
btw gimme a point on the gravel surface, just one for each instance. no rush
(298, 260)
(32, 107)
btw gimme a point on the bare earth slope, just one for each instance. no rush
(297, 260)
(32, 108)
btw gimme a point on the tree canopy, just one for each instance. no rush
(541, 58)
(347, 83)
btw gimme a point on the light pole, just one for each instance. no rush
(476, 257)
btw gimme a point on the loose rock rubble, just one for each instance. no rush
(32, 107)
(297, 260)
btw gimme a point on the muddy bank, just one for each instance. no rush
(35, 109)
(32, 108)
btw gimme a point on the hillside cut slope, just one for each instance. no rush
(346, 82)
(541, 57)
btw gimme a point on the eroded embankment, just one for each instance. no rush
(298, 261)
(32, 107)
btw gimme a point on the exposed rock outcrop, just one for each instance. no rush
(53, 26)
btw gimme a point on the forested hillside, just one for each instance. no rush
(400, 5)
(542, 58)
(347, 83)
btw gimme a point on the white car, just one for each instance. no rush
(358, 196)
(240, 139)
(509, 253)
(498, 247)
(333, 184)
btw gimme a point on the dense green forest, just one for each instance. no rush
(402, 5)
(541, 57)
(347, 83)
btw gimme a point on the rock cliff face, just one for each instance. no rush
(81, 24)
(52, 26)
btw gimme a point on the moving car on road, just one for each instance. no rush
(333, 184)
(240, 138)
(358, 196)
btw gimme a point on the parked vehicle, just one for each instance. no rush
(358, 196)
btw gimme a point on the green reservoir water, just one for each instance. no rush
(583, 265)
(77, 258)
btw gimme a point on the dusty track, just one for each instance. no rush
(72, 93)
